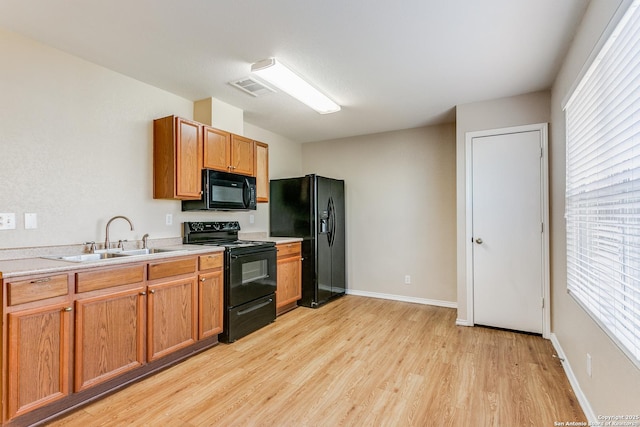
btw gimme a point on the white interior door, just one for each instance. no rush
(507, 219)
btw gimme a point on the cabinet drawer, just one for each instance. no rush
(288, 249)
(159, 270)
(93, 280)
(36, 289)
(210, 261)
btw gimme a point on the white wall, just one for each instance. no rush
(76, 148)
(400, 209)
(494, 114)
(613, 388)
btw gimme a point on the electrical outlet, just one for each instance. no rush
(407, 280)
(168, 219)
(7, 221)
(589, 365)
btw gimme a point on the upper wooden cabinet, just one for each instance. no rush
(262, 172)
(182, 148)
(242, 155)
(177, 159)
(217, 149)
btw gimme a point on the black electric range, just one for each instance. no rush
(249, 276)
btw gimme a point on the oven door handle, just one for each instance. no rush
(255, 307)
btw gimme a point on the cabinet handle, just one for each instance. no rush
(46, 279)
(203, 280)
(68, 309)
(143, 293)
(152, 291)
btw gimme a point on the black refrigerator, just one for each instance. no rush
(312, 207)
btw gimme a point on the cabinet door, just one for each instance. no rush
(210, 303)
(217, 149)
(289, 281)
(172, 321)
(39, 354)
(262, 172)
(109, 336)
(188, 159)
(242, 155)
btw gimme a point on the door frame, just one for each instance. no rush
(544, 173)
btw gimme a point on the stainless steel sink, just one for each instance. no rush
(89, 257)
(111, 254)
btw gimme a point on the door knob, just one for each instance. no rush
(479, 241)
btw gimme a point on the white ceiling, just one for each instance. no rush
(391, 64)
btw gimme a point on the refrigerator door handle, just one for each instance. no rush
(332, 222)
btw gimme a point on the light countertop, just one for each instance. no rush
(43, 265)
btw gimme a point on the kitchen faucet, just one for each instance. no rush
(106, 240)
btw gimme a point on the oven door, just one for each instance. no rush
(252, 275)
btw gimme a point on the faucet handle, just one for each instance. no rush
(92, 248)
(121, 244)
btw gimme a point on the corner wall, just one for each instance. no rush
(400, 209)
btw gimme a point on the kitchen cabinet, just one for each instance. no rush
(262, 172)
(210, 295)
(289, 287)
(177, 158)
(216, 149)
(39, 354)
(172, 317)
(109, 336)
(78, 334)
(172, 307)
(242, 155)
(228, 152)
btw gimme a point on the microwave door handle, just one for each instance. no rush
(246, 193)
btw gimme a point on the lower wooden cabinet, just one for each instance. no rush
(289, 287)
(38, 357)
(210, 304)
(80, 334)
(172, 321)
(109, 336)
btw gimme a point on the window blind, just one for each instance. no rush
(603, 187)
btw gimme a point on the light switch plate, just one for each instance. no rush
(30, 221)
(7, 221)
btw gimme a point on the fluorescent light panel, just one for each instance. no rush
(278, 75)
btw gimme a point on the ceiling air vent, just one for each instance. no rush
(252, 87)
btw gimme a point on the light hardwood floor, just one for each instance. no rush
(354, 362)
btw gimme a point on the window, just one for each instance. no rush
(603, 187)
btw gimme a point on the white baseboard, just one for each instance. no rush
(575, 385)
(463, 322)
(447, 304)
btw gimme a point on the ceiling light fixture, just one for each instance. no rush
(278, 75)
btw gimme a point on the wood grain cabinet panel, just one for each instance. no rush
(210, 261)
(217, 149)
(159, 270)
(210, 303)
(177, 159)
(172, 316)
(289, 286)
(37, 288)
(262, 172)
(242, 155)
(109, 336)
(93, 280)
(38, 358)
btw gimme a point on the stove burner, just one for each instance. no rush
(220, 234)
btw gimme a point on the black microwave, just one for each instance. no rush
(224, 191)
